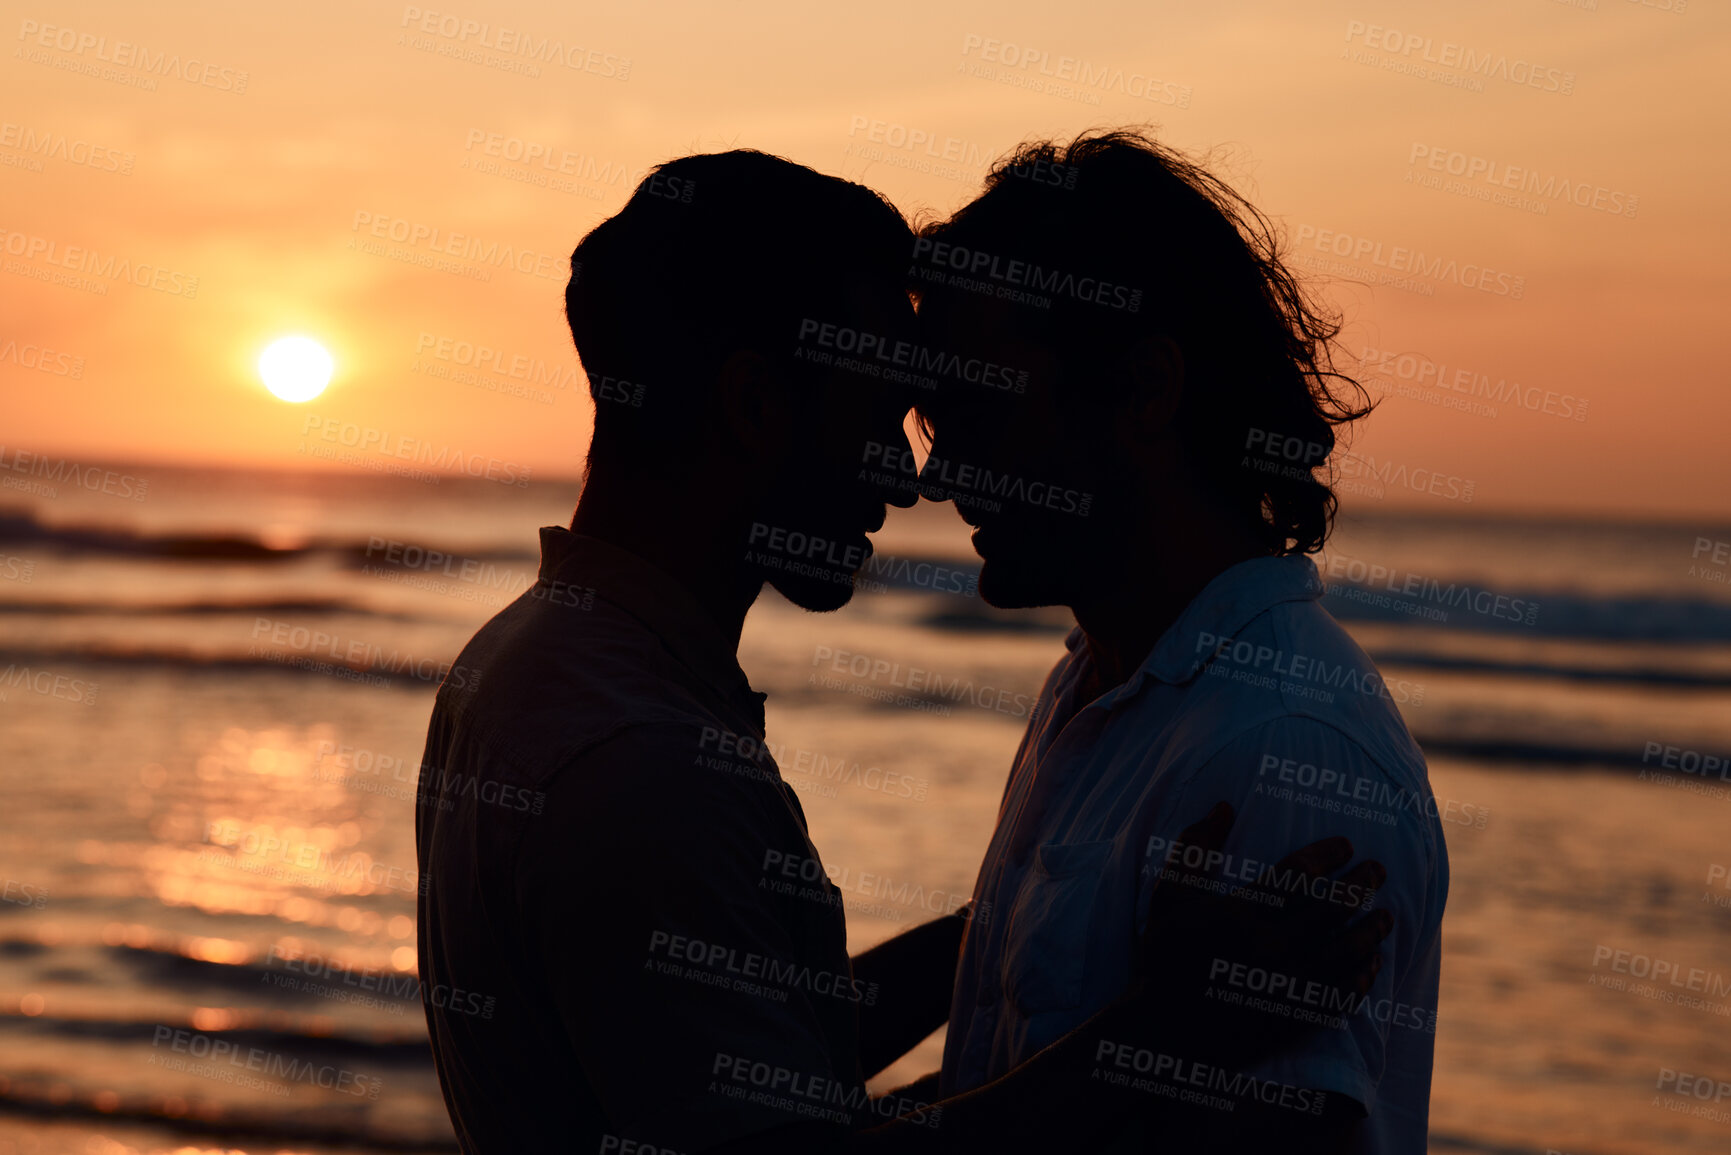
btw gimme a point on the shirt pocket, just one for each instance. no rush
(1046, 943)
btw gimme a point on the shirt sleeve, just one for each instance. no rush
(1293, 781)
(690, 1003)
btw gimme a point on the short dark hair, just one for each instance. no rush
(1186, 256)
(714, 253)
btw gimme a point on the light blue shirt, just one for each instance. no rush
(1255, 695)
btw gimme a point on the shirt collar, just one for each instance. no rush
(654, 598)
(1225, 606)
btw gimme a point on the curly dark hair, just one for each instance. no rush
(1207, 269)
(713, 253)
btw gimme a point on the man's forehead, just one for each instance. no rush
(880, 298)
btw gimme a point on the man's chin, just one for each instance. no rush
(1005, 585)
(815, 594)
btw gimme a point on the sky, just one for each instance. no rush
(1517, 206)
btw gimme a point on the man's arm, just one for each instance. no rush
(681, 987)
(1291, 780)
(1052, 1102)
(1309, 1122)
(1152, 1053)
(1124, 1065)
(915, 973)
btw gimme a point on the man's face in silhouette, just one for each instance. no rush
(809, 538)
(1032, 470)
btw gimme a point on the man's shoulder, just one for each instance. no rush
(1314, 752)
(543, 681)
(665, 801)
(1295, 666)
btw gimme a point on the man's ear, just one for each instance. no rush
(1154, 368)
(751, 405)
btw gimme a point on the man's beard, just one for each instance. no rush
(820, 594)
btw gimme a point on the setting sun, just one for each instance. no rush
(295, 368)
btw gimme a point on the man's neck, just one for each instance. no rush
(1124, 619)
(679, 535)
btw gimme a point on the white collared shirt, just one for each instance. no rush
(1255, 695)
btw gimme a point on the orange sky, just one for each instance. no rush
(276, 138)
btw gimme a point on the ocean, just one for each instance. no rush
(214, 689)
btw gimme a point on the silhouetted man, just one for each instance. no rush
(1158, 474)
(610, 958)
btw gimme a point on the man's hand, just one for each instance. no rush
(915, 973)
(1290, 932)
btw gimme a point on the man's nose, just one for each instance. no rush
(891, 472)
(930, 483)
(903, 493)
